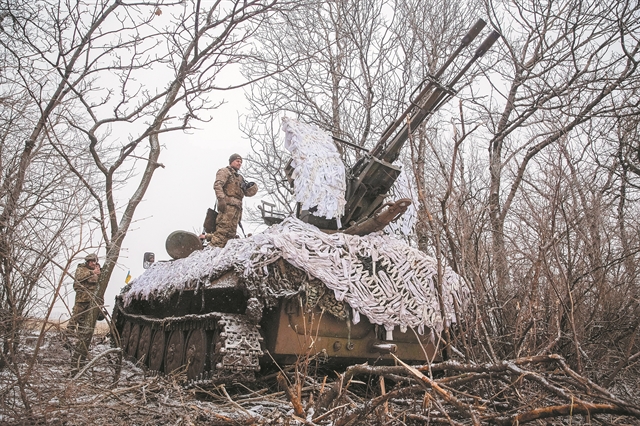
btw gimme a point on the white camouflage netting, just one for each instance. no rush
(379, 276)
(404, 224)
(319, 173)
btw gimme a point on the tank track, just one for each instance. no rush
(218, 348)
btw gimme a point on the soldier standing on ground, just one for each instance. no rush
(230, 188)
(86, 288)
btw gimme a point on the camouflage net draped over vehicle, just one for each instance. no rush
(319, 173)
(381, 277)
(316, 294)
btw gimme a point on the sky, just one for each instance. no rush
(179, 193)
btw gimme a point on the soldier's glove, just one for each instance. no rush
(222, 205)
(246, 185)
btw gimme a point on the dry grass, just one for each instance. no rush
(101, 330)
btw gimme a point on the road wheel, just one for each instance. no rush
(156, 351)
(196, 354)
(134, 337)
(124, 336)
(174, 355)
(144, 344)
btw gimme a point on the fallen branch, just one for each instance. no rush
(585, 409)
(94, 360)
(440, 391)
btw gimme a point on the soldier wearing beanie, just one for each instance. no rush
(230, 188)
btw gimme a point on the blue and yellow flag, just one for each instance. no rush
(126, 280)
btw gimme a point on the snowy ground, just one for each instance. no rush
(116, 392)
(112, 391)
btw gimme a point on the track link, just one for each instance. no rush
(214, 347)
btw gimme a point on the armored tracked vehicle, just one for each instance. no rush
(217, 334)
(342, 296)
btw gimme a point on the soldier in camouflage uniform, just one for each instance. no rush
(86, 288)
(230, 188)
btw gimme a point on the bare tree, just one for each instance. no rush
(344, 70)
(546, 233)
(44, 221)
(559, 81)
(86, 69)
(527, 185)
(563, 73)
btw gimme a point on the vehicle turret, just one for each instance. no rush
(371, 178)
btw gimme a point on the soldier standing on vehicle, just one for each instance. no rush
(230, 188)
(86, 288)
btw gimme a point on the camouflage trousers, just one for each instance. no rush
(226, 226)
(85, 306)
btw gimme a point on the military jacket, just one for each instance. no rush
(229, 186)
(85, 276)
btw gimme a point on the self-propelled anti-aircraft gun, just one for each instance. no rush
(220, 314)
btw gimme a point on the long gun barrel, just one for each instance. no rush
(374, 174)
(426, 91)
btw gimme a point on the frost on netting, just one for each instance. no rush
(319, 173)
(378, 276)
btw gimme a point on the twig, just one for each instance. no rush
(328, 413)
(94, 360)
(439, 390)
(235, 404)
(295, 400)
(383, 391)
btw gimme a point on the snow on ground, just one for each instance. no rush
(112, 391)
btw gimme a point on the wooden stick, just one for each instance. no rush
(293, 398)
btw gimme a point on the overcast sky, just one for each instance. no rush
(180, 193)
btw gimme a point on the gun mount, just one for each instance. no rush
(373, 175)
